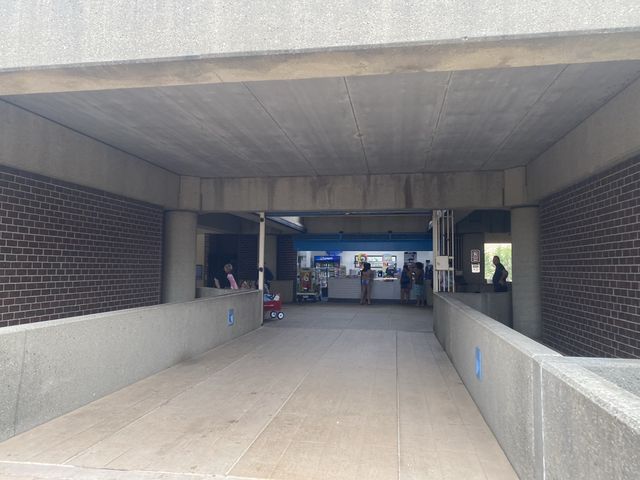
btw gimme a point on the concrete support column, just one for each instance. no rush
(179, 274)
(261, 242)
(525, 238)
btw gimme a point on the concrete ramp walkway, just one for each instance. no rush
(330, 392)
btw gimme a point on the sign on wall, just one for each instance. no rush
(410, 258)
(475, 260)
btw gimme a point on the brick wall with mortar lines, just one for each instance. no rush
(590, 260)
(66, 250)
(247, 258)
(287, 260)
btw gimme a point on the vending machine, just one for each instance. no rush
(326, 267)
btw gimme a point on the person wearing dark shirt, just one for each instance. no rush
(268, 278)
(268, 275)
(405, 284)
(499, 276)
(418, 284)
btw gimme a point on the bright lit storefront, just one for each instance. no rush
(329, 266)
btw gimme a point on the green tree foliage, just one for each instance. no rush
(502, 250)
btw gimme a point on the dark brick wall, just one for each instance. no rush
(66, 250)
(287, 258)
(247, 258)
(590, 247)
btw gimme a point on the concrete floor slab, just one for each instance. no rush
(330, 392)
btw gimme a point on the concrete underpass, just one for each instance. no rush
(145, 146)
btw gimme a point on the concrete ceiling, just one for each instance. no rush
(398, 123)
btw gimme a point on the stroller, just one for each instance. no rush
(273, 306)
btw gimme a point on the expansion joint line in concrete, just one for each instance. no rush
(355, 119)
(55, 472)
(15, 412)
(437, 125)
(162, 404)
(524, 117)
(293, 392)
(281, 128)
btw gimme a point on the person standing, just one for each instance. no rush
(405, 284)
(268, 277)
(366, 279)
(419, 284)
(228, 269)
(499, 276)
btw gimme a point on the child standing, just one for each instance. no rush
(228, 269)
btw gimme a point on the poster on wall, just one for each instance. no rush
(359, 260)
(410, 258)
(388, 260)
(306, 279)
(475, 256)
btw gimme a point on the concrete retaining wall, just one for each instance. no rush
(555, 417)
(494, 305)
(507, 392)
(51, 368)
(208, 292)
(591, 425)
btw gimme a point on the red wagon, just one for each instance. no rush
(273, 306)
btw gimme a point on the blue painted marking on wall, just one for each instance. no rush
(478, 364)
(230, 317)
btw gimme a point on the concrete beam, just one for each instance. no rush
(85, 31)
(189, 197)
(442, 56)
(515, 186)
(355, 224)
(354, 193)
(239, 223)
(609, 136)
(34, 144)
(220, 223)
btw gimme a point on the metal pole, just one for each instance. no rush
(448, 223)
(434, 233)
(261, 252)
(453, 257)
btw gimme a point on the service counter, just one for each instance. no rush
(349, 289)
